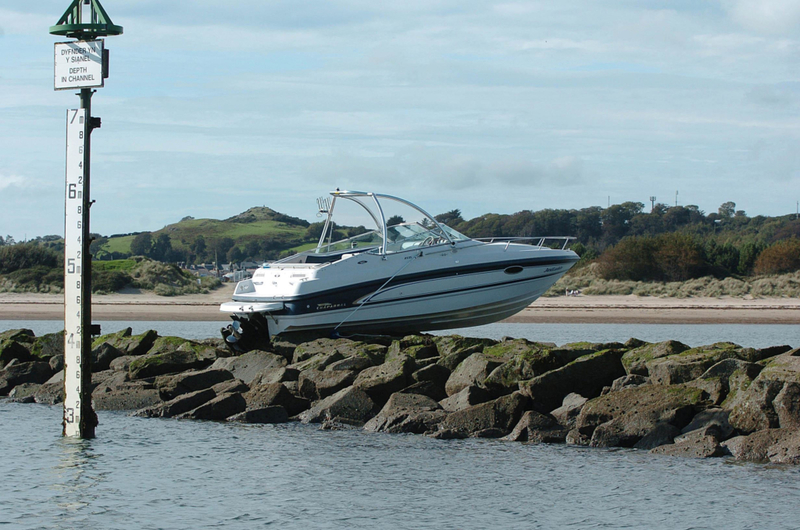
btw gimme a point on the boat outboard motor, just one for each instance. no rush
(244, 335)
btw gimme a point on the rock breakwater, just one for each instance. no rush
(710, 401)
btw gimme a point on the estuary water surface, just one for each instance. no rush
(151, 473)
(748, 335)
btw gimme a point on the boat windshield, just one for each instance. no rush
(403, 236)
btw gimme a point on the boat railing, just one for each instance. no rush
(553, 242)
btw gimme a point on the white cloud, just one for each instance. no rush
(9, 181)
(765, 16)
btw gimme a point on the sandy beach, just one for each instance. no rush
(134, 306)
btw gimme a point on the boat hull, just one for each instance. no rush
(415, 305)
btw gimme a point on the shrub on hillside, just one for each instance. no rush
(633, 258)
(167, 279)
(679, 257)
(36, 279)
(25, 256)
(667, 257)
(783, 256)
(108, 281)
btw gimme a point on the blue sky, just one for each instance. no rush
(482, 106)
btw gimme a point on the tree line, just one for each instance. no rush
(666, 244)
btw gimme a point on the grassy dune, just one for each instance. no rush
(586, 280)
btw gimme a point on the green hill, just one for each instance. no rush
(257, 234)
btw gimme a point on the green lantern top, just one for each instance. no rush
(71, 24)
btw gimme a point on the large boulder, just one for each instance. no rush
(230, 386)
(418, 347)
(275, 414)
(107, 378)
(248, 366)
(171, 386)
(567, 413)
(319, 361)
(24, 393)
(426, 388)
(274, 394)
(662, 433)
(276, 375)
(127, 343)
(779, 446)
(435, 373)
(48, 346)
(623, 418)
(178, 405)
(772, 400)
(103, 355)
(344, 347)
(17, 344)
(202, 349)
(319, 384)
(160, 363)
(635, 360)
(471, 372)
(350, 405)
(586, 376)
(219, 408)
(132, 395)
(19, 335)
(523, 360)
(500, 415)
(537, 428)
(403, 412)
(453, 349)
(692, 363)
(380, 382)
(451, 344)
(468, 397)
(695, 446)
(50, 393)
(17, 373)
(122, 364)
(713, 421)
(356, 363)
(628, 381)
(585, 348)
(727, 377)
(307, 350)
(11, 349)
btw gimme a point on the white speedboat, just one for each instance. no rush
(407, 277)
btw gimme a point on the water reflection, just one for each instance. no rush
(76, 480)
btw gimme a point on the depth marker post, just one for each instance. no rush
(82, 64)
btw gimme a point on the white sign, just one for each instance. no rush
(79, 64)
(73, 275)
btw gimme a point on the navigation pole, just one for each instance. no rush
(79, 64)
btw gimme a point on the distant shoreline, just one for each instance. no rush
(568, 310)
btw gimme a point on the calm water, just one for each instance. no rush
(149, 473)
(749, 335)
